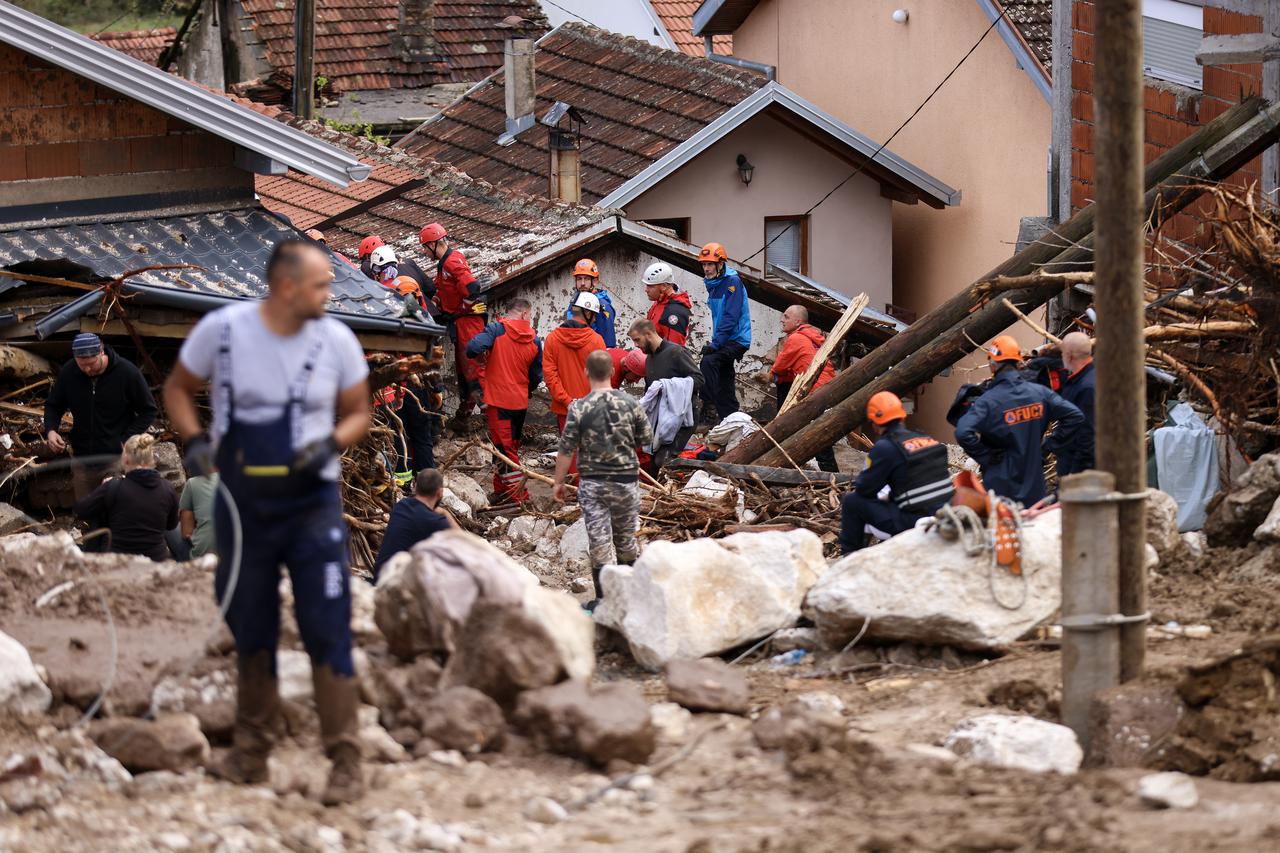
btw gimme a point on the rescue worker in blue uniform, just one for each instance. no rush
(586, 279)
(913, 466)
(1077, 389)
(289, 392)
(1003, 430)
(731, 330)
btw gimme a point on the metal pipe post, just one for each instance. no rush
(304, 60)
(1090, 593)
(1120, 352)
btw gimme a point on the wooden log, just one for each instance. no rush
(17, 363)
(770, 476)
(1192, 331)
(1068, 242)
(918, 362)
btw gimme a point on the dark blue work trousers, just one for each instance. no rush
(856, 512)
(720, 387)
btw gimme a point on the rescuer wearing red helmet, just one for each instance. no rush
(913, 466)
(458, 297)
(365, 254)
(1003, 429)
(586, 279)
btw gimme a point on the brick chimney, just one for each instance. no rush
(415, 39)
(521, 88)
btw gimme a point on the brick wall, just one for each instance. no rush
(57, 124)
(1172, 112)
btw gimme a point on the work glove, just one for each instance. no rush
(199, 457)
(479, 308)
(311, 458)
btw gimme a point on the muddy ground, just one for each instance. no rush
(876, 789)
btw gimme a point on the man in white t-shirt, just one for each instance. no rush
(290, 392)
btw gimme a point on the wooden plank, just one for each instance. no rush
(20, 409)
(143, 328)
(1243, 49)
(768, 475)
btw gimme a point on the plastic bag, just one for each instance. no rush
(1187, 464)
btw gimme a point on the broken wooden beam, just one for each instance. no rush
(765, 474)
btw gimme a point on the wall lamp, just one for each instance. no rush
(745, 169)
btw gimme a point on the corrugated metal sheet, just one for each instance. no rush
(639, 101)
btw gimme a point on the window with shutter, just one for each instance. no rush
(787, 243)
(1171, 35)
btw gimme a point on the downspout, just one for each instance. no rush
(768, 71)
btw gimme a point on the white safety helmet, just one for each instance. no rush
(382, 256)
(588, 302)
(659, 273)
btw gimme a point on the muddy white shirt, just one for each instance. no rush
(264, 365)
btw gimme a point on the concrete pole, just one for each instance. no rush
(1119, 352)
(304, 60)
(1090, 543)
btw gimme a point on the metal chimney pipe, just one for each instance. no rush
(770, 73)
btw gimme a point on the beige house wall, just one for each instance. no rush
(850, 237)
(986, 133)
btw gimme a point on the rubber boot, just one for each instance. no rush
(257, 708)
(337, 698)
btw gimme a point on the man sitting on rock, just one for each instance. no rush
(414, 518)
(604, 428)
(911, 464)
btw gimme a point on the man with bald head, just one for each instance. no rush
(798, 350)
(1077, 358)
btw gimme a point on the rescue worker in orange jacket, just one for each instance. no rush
(671, 308)
(564, 358)
(458, 297)
(913, 466)
(510, 357)
(798, 350)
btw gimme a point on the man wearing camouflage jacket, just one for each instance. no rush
(604, 428)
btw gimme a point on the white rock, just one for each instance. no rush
(1168, 791)
(573, 543)
(789, 639)
(545, 810)
(1021, 742)
(821, 701)
(448, 757)
(293, 670)
(547, 549)
(21, 689)
(671, 720)
(455, 505)
(1162, 524)
(1151, 557)
(933, 753)
(1269, 529)
(920, 588)
(362, 624)
(375, 742)
(173, 841)
(573, 632)
(580, 584)
(699, 598)
(468, 490)
(524, 531)
(1194, 540)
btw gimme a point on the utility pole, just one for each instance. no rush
(304, 60)
(1118, 268)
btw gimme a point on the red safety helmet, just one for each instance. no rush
(712, 252)
(884, 407)
(586, 266)
(431, 233)
(1004, 348)
(368, 244)
(633, 362)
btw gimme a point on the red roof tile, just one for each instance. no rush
(677, 17)
(639, 102)
(143, 45)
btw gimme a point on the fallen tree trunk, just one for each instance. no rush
(1048, 250)
(1192, 331)
(946, 346)
(17, 363)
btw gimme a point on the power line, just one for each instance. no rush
(574, 14)
(885, 144)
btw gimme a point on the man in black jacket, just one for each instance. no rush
(108, 400)
(665, 360)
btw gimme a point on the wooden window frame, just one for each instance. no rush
(804, 239)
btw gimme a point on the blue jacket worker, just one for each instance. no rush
(731, 330)
(1077, 389)
(1004, 428)
(414, 518)
(290, 391)
(586, 279)
(913, 466)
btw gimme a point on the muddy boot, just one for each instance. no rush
(337, 698)
(257, 708)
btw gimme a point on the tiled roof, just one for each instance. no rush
(1034, 22)
(143, 45)
(493, 227)
(677, 17)
(639, 102)
(357, 41)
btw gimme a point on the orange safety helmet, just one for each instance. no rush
(884, 407)
(368, 244)
(712, 252)
(1004, 348)
(316, 234)
(586, 266)
(431, 233)
(406, 285)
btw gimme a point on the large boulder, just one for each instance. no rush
(13, 520)
(463, 719)
(920, 588)
(708, 685)
(468, 490)
(1162, 524)
(1024, 743)
(1238, 513)
(699, 598)
(22, 691)
(170, 742)
(595, 722)
(574, 547)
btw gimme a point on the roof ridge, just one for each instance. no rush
(120, 34)
(637, 47)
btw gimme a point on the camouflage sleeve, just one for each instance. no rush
(569, 439)
(642, 428)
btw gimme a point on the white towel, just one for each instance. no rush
(668, 403)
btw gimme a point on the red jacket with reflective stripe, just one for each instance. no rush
(453, 284)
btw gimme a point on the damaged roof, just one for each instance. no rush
(143, 45)
(231, 247)
(361, 45)
(639, 102)
(677, 17)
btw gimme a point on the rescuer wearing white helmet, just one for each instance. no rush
(671, 308)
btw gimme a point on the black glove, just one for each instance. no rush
(708, 349)
(199, 457)
(311, 458)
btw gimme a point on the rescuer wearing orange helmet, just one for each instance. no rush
(458, 296)
(731, 329)
(913, 466)
(1003, 429)
(586, 279)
